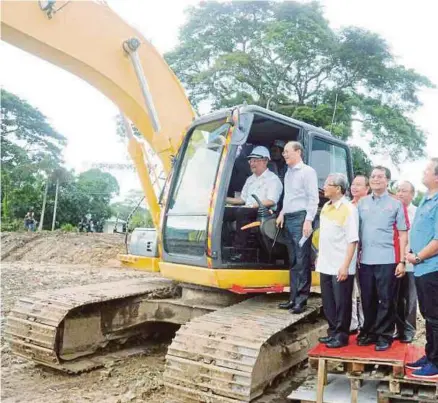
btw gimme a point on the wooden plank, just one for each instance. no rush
(358, 367)
(394, 386)
(355, 386)
(382, 398)
(322, 380)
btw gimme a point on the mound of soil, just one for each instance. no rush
(94, 249)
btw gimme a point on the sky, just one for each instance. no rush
(87, 118)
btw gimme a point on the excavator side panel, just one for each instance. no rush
(228, 278)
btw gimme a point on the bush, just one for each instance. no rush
(12, 225)
(68, 228)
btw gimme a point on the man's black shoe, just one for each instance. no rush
(297, 309)
(406, 339)
(325, 339)
(286, 305)
(361, 336)
(354, 331)
(366, 341)
(335, 344)
(382, 345)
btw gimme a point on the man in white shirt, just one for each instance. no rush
(337, 258)
(264, 184)
(406, 320)
(300, 205)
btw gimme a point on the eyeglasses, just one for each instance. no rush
(331, 184)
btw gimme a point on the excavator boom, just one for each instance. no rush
(91, 41)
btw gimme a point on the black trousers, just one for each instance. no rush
(336, 302)
(300, 273)
(378, 286)
(427, 290)
(242, 216)
(406, 311)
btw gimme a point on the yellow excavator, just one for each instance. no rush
(232, 339)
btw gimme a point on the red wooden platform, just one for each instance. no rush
(355, 359)
(397, 352)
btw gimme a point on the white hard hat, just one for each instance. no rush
(259, 152)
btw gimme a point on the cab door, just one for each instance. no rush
(184, 233)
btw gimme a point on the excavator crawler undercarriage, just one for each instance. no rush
(229, 347)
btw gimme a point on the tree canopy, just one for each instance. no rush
(286, 56)
(140, 218)
(31, 155)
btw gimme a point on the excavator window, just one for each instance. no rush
(327, 157)
(186, 220)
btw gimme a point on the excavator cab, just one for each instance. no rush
(211, 165)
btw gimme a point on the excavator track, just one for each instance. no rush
(36, 325)
(232, 354)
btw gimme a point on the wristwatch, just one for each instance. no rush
(417, 259)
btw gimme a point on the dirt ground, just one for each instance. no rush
(35, 262)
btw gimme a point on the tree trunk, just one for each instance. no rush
(43, 210)
(56, 204)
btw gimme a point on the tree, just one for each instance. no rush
(362, 165)
(141, 217)
(25, 128)
(28, 145)
(285, 55)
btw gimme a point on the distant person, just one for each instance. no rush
(300, 205)
(337, 254)
(359, 189)
(406, 323)
(424, 257)
(383, 239)
(278, 164)
(264, 184)
(29, 221)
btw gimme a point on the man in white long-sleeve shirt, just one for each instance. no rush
(300, 204)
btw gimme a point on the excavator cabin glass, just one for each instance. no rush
(199, 227)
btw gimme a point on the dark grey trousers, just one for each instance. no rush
(336, 302)
(300, 273)
(406, 311)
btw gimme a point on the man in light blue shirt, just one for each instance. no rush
(384, 224)
(300, 204)
(424, 257)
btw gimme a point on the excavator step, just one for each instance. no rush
(35, 326)
(234, 353)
